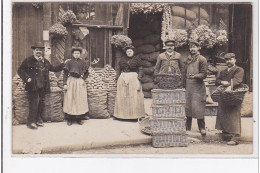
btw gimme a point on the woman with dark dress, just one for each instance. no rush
(75, 98)
(129, 98)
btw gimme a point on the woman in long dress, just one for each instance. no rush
(75, 97)
(129, 98)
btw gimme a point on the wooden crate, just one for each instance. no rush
(167, 126)
(168, 111)
(172, 140)
(161, 97)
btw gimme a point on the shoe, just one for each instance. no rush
(80, 122)
(32, 126)
(232, 143)
(69, 122)
(40, 124)
(203, 132)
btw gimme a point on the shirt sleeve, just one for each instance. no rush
(157, 66)
(22, 71)
(203, 68)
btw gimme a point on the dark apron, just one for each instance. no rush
(195, 93)
(229, 118)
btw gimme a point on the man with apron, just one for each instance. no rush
(229, 116)
(195, 71)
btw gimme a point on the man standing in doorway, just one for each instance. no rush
(34, 71)
(195, 71)
(229, 116)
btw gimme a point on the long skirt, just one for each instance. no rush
(229, 118)
(129, 97)
(75, 98)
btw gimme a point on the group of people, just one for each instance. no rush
(129, 104)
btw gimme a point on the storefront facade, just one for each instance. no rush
(102, 20)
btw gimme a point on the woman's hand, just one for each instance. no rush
(29, 80)
(65, 87)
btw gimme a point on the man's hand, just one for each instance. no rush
(225, 83)
(67, 60)
(29, 80)
(65, 87)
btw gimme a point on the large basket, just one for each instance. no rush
(169, 81)
(173, 140)
(162, 97)
(230, 97)
(167, 126)
(144, 125)
(168, 111)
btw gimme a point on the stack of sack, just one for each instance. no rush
(52, 110)
(192, 17)
(147, 41)
(97, 95)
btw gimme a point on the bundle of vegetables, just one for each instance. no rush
(145, 8)
(180, 36)
(58, 30)
(121, 41)
(97, 95)
(166, 23)
(53, 79)
(204, 36)
(222, 37)
(68, 17)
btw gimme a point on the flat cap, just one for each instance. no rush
(229, 55)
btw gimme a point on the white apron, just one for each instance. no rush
(75, 98)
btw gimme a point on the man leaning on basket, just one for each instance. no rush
(34, 71)
(228, 118)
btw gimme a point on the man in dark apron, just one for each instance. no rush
(229, 116)
(195, 71)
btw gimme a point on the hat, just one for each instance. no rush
(194, 42)
(169, 42)
(129, 47)
(76, 49)
(38, 45)
(229, 55)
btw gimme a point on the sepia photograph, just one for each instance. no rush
(132, 78)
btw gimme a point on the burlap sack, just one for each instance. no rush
(138, 42)
(148, 70)
(158, 47)
(202, 22)
(141, 34)
(111, 98)
(146, 63)
(203, 13)
(179, 23)
(180, 12)
(152, 39)
(151, 57)
(146, 48)
(147, 79)
(147, 86)
(97, 102)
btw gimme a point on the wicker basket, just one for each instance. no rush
(173, 140)
(176, 96)
(144, 125)
(168, 111)
(169, 81)
(167, 126)
(230, 97)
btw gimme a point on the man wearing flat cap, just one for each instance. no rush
(194, 72)
(34, 71)
(169, 61)
(229, 117)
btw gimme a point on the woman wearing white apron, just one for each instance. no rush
(129, 98)
(75, 97)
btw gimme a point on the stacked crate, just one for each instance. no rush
(168, 118)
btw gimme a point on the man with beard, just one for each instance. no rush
(169, 61)
(34, 71)
(195, 71)
(229, 117)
